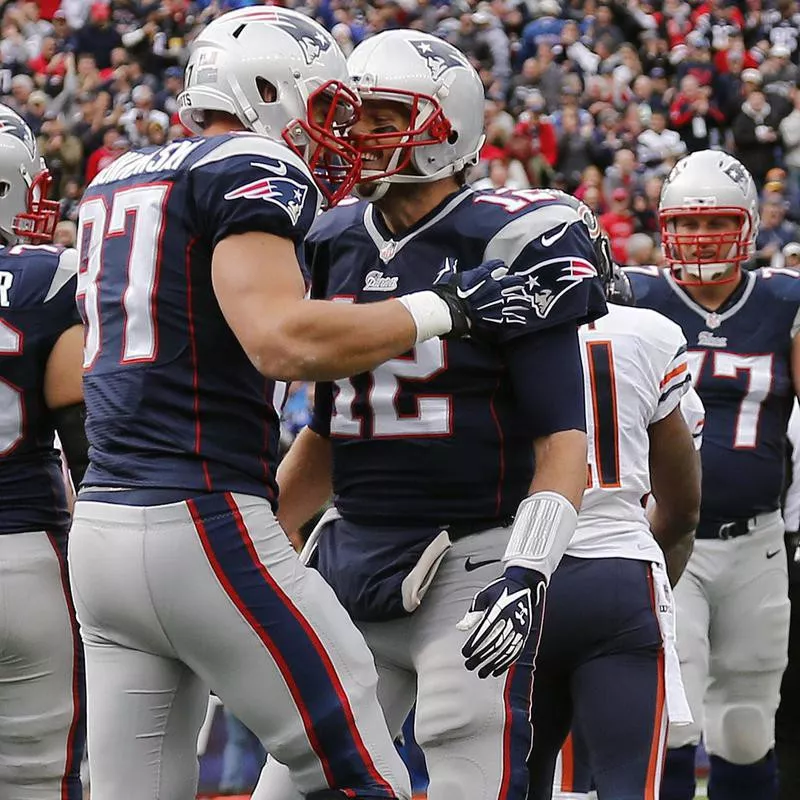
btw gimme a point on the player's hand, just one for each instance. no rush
(503, 617)
(482, 299)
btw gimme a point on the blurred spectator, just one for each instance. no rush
(499, 177)
(70, 199)
(789, 130)
(114, 145)
(66, 233)
(641, 251)
(755, 134)
(693, 114)
(777, 184)
(62, 151)
(623, 174)
(791, 255)
(575, 148)
(619, 224)
(775, 232)
(97, 36)
(659, 147)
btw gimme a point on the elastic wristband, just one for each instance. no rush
(543, 527)
(430, 313)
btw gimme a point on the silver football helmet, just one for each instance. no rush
(282, 75)
(445, 99)
(25, 212)
(709, 183)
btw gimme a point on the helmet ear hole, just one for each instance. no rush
(452, 137)
(5, 188)
(266, 90)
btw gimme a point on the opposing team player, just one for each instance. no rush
(744, 353)
(193, 301)
(608, 635)
(41, 345)
(438, 510)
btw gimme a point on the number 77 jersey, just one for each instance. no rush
(740, 358)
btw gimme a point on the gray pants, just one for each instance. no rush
(733, 637)
(41, 673)
(208, 593)
(475, 733)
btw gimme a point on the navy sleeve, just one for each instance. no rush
(547, 378)
(62, 308)
(321, 412)
(244, 186)
(558, 262)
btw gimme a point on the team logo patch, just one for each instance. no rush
(437, 55)
(573, 271)
(283, 192)
(311, 40)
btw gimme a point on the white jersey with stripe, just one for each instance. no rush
(636, 372)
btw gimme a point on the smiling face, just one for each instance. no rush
(382, 126)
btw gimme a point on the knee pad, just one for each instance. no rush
(745, 734)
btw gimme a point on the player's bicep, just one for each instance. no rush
(63, 374)
(256, 277)
(674, 466)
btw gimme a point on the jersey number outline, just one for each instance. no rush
(514, 200)
(603, 386)
(137, 213)
(434, 414)
(12, 426)
(759, 381)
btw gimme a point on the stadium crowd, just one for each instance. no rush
(599, 98)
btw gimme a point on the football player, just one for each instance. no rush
(744, 355)
(599, 654)
(192, 296)
(438, 510)
(41, 347)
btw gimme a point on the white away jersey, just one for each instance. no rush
(635, 374)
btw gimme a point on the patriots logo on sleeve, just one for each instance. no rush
(438, 57)
(569, 273)
(283, 192)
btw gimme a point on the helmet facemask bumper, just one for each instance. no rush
(716, 257)
(321, 139)
(38, 223)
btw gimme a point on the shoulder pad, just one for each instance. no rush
(782, 282)
(331, 223)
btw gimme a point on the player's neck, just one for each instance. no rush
(405, 204)
(713, 295)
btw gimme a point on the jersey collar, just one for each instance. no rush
(713, 319)
(388, 246)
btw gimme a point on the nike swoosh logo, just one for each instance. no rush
(547, 240)
(470, 565)
(278, 168)
(465, 294)
(773, 554)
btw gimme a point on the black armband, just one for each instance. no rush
(70, 422)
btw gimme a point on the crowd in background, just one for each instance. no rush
(597, 97)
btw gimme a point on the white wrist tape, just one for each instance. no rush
(431, 314)
(542, 529)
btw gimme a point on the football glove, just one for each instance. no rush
(503, 618)
(481, 299)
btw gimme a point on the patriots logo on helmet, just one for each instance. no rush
(438, 56)
(574, 270)
(308, 35)
(282, 192)
(12, 124)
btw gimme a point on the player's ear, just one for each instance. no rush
(266, 90)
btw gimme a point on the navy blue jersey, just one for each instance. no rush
(37, 304)
(439, 435)
(173, 402)
(740, 357)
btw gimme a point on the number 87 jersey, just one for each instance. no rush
(172, 399)
(740, 358)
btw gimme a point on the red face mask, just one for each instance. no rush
(334, 162)
(38, 223)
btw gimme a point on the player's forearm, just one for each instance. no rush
(304, 480)
(316, 340)
(561, 465)
(677, 557)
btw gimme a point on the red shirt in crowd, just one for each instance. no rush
(619, 228)
(100, 159)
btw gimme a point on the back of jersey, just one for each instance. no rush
(37, 304)
(635, 373)
(173, 402)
